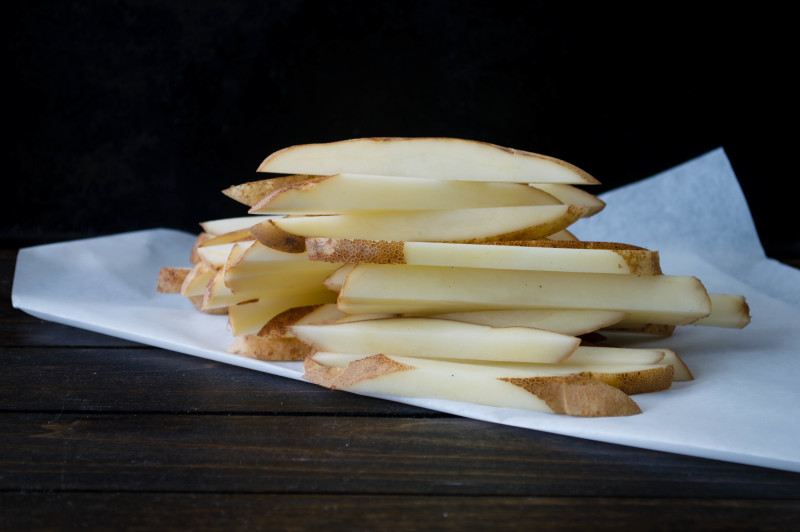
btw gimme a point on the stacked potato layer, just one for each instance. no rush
(443, 268)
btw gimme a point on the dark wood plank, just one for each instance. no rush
(20, 329)
(350, 455)
(40, 379)
(224, 512)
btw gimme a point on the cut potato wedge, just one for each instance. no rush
(250, 317)
(727, 310)
(274, 349)
(630, 378)
(435, 158)
(171, 279)
(572, 195)
(197, 280)
(548, 256)
(434, 338)
(231, 225)
(279, 326)
(216, 257)
(392, 289)
(572, 322)
(561, 394)
(349, 193)
(252, 192)
(459, 225)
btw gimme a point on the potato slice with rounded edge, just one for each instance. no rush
(435, 158)
(458, 225)
(278, 327)
(403, 377)
(528, 255)
(197, 280)
(573, 195)
(630, 378)
(252, 192)
(230, 225)
(435, 338)
(404, 289)
(249, 317)
(350, 193)
(572, 322)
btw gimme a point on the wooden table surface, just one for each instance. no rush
(100, 433)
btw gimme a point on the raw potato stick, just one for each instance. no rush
(435, 158)
(547, 255)
(348, 193)
(455, 225)
(434, 338)
(563, 394)
(374, 288)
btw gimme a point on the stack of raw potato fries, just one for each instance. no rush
(443, 268)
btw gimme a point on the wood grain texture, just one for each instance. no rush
(247, 511)
(99, 433)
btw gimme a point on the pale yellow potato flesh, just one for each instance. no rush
(572, 322)
(434, 158)
(279, 326)
(379, 288)
(631, 378)
(435, 338)
(727, 310)
(280, 278)
(273, 349)
(458, 225)
(335, 281)
(507, 257)
(216, 256)
(573, 195)
(348, 193)
(250, 317)
(278, 285)
(228, 225)
(197, 280)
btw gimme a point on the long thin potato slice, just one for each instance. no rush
(561, 394)
(348, 193)
(573, 195)
(458, 225)
(567, 257)
(231, 225)
(631, 378)
(252, 192)
(572, 322)
(435, 158)
(379, 288)
(434, 338)
(249, 317)
(197, 280)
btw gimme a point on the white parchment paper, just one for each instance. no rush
(742, 407)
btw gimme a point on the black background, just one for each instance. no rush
(131, 115)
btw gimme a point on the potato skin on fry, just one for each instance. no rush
(273, 349)
(170, 280)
